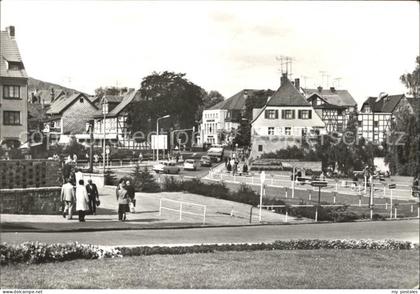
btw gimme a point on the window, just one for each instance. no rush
(304, 114)
(271, 130)
(271, 114)
(288, 131)
(11, 118)
(260, 148)
(288, 114)
(11, 92)
(81, 100)
(375, 124)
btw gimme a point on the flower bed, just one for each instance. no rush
(34, 252)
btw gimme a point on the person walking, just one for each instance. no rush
(122, 199)
(131, 196)
(93, 196)
(67, 197)
(82, 200)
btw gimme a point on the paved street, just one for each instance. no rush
(405, 230)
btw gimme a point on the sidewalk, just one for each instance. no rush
(219, 213)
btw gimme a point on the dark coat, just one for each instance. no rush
(92, 191)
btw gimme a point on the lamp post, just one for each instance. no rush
(157, 136)
(104, 112)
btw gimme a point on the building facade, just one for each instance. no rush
(375, 116)
(67, 116)
(286, 120)
(116, 121)
(219, 123)
(13, 92)
(333, 106)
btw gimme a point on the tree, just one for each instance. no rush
(166, 93)
(212, 98)
(256, 100)
(145, 182)
(412, 80)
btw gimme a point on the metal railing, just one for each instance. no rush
(182, 205)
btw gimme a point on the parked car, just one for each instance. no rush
(205, 161)
(166, 167)
(190, 164)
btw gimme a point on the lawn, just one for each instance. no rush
(300, 269)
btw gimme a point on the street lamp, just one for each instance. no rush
(157, 135)
(104, 103)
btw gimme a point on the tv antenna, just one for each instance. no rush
(286, 64)
(338, 82)
(323, 75)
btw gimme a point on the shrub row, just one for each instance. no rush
(34, 252)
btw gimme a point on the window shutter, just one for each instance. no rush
(309, 114)
(293, 114)
(299, 114)
(277, 114)
(283, 113)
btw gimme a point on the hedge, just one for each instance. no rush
(35, 252)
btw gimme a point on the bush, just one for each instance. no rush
(170, 184)
(110, 178)
(34, 252)
(246, 195)
(145, 182)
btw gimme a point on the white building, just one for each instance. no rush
(284, 121)
(219, 122)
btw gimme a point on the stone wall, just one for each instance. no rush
(44, 200)
(29, 173)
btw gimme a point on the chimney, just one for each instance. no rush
(283, 79)
(245, 94)
(297, 84)
(332, 89)
(52, 95)
(11, 31)
(319, 89)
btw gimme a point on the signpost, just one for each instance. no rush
(262, 179)
(319, 184)
(391, 187)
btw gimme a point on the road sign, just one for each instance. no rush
(319, 184)
(392, 186)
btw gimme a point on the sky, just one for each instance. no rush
(220, 45)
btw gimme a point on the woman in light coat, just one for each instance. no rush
(82, 200)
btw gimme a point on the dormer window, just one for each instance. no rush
(367, 109)
(81, 100)
(14, 65)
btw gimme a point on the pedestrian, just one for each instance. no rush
(229, 167)
(67, 197)
(245, 168)
(131, 195)
(75, 158)
(122, 199)
(82, 200)
(226, 161)
(93, 196)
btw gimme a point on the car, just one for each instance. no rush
(190, 164)
(205, 161)
(166, 167)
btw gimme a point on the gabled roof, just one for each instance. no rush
(130, 96)
(386, 104)
(287, 95)
(63, 102)
(237, 101)
(10, 53)
(333, 96)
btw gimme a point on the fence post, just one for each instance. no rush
(160, 206)
(310, 194)
(334, 194)
(384, 190)
(286, 217)
(411, 208)
(386, 205)
(252, 180)
(418, 212)
(286, 191)
(180, 211)
(316, 214)
(204, 215)
(395, 214)
(250, 215)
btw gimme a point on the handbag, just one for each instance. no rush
(98, 202)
